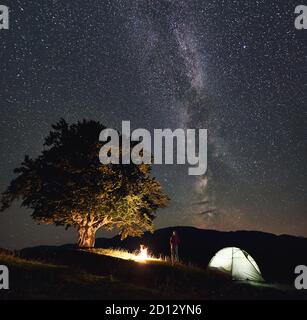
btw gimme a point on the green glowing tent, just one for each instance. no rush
(237, 263)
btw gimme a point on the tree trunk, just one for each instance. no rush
(86, 237)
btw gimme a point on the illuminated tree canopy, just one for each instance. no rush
(66, 185)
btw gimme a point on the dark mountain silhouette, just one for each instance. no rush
(277, 256)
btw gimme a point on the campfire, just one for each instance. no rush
(143, 254)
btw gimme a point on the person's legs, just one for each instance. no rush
(172, 254)
(176, 254)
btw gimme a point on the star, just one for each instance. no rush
(232, 69)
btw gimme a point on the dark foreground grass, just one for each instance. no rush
(66, 273)
(30, 279)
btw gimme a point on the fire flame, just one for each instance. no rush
(143, 254)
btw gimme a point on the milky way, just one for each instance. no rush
(236, 68)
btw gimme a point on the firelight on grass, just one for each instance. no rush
(141, 255)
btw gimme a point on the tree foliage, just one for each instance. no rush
(67, 185)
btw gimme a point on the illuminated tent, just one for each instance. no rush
(237, 263)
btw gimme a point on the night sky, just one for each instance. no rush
(236, 68)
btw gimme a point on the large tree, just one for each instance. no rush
(66, 185)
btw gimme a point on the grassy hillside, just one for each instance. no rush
(64, 272)
(77, 274)
(32, 279)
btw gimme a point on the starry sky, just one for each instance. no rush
(237, 68)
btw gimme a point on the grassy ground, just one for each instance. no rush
(63, 273)
(30, 279)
